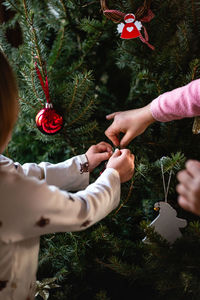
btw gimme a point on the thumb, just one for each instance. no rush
(117, 153)
(103, 156)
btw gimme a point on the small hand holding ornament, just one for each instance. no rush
(98, 153)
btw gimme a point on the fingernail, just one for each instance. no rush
(116, 149)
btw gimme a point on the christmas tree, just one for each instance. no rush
(92, 72)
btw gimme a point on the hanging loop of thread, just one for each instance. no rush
(116, 16)
(145, 39)
(166, 189)
(44, 85)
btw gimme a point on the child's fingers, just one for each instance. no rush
(117, 153)
(111, 116)
(133, 157)
(125, 152)
(188, 205)
(103, 156)
(105, 146)
(185, 178)
(184, 203)
(193, 167)
(113, 134)
(193, 161)
(182, 190)
(126, 139)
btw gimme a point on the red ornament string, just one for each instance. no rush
(150, 15)
(147, 18)
(45, 86)
(145, 39)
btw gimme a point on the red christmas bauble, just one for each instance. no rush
(48, 120)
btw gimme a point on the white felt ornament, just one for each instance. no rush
(166, 223)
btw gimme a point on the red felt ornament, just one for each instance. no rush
(130, 24)
(131, 29)
(47, 120)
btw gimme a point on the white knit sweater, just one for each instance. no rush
(34, 201)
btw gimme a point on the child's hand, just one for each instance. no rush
(189, 187)
(131, 122)
(98, 153)
(123, 162)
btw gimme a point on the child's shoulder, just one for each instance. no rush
(13, 181)
(8, 171)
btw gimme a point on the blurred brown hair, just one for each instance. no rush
(8, 100)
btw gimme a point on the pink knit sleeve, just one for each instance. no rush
(183, 102)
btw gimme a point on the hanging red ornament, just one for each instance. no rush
(130, 25)
(47, 120)
(131, 29)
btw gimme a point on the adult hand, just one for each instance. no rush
(131, 122)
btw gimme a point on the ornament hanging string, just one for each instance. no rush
(166, 190)
(145, 39)
(143, 13)
(45, 86)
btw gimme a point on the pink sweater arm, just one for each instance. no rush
(183, 102)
